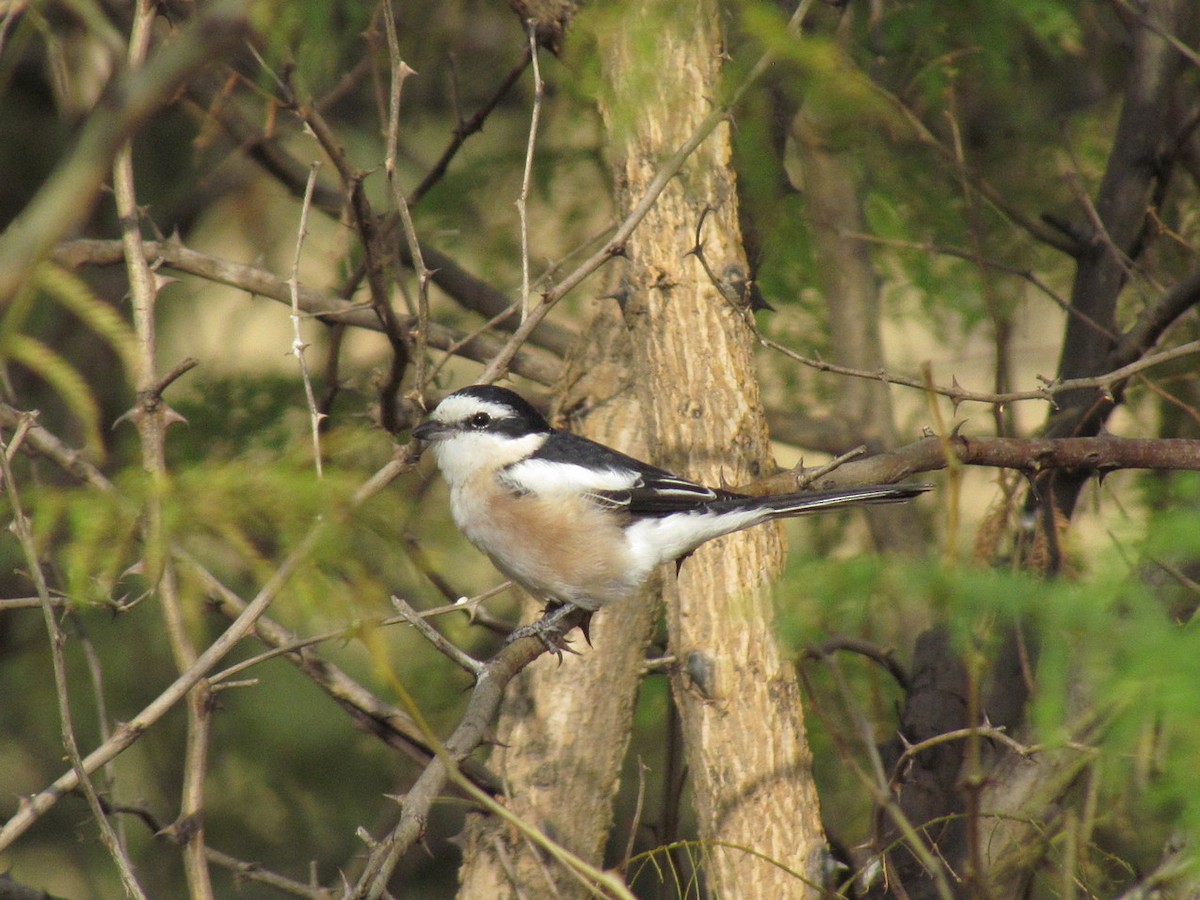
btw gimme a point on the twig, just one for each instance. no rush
(959, 734)
(636, 820)
(400, 72)
(1141, 15)
(805, 477)
(463, 660)
(961, 395)
(34, 602)
(21, 528)
(877, 783)
(298, 344)
(376, 255)
(248, 871)
(886, 657)
(928, 247)
(103, 720)
(527, 177)
(180, 369)
(995, 198)
(465, 129)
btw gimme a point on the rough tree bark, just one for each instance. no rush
(747, 755)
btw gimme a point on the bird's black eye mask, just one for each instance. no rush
(505, 426)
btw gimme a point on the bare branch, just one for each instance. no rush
(152, 418)
(464, 661)
(527, 177)
(1101, 455)
(390, 724)
(465, 129)
(1051, 389)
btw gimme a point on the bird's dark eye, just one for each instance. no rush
(480, 420)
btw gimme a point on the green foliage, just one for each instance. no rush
(1107, 655)
(54, 286)
(322, 40)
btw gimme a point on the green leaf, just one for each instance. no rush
(64, 378)
(73, 293)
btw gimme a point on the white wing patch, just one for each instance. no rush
(540, 476)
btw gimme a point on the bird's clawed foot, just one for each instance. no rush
(552, 628)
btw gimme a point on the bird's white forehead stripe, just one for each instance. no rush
(455, 409)
(543, 476)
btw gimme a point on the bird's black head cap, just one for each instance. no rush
(525, 418)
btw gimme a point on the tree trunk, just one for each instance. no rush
(692, 346)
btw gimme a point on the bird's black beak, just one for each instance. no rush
(431, 431)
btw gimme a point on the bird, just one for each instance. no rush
(579, 524)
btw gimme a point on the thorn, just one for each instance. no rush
(458, 840)
(133, 414)
(425, 846)
(162, 281)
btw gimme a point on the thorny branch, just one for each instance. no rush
(152, 418)
(957, 394)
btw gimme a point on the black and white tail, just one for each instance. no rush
(783, 506)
